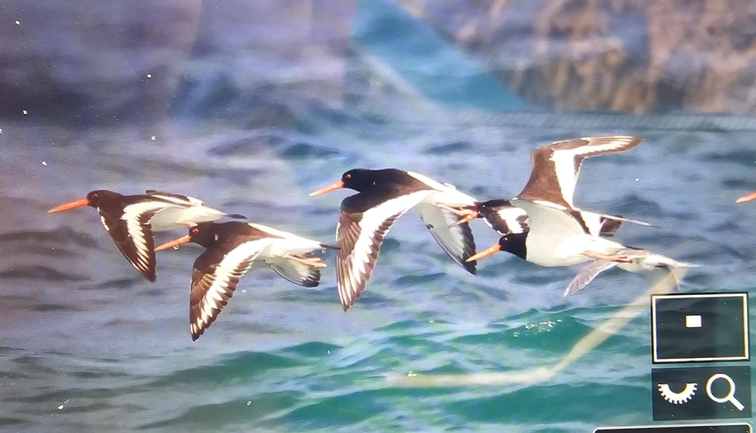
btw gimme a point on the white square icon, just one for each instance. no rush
(693, 321)
(679, 333)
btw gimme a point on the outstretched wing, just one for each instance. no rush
(214, 282)
(586, 274)
(132, 234)
(455, 239)
(178, 199)
(296, 272)
(555, 167)
(359, 236)
(504, 218)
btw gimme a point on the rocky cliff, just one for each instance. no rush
(636, 56)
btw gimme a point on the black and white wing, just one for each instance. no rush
(359, 236)
(504, 218)
(194, 210)
(178, 199)
(132, 234)
(555, 167)
(586, 274)
(599, 224)
(455, 239)
(214, 280)
(549, 217)
(296, 272)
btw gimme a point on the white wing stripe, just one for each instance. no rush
(371, 222)
(224, 271)
(131, 215)
(132, 212)
(564, 167)
(190, 201)
(374, 218)
(564, 159)
(230, 263)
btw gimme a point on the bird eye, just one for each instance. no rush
(195, 230)
(347, 176)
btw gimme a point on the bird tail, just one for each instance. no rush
(661, 261)
(674, 267)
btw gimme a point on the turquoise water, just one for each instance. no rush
(88, 345)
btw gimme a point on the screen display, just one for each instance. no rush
(377, 215)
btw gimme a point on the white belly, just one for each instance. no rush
(551, 250)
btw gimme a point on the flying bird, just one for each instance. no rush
(558, 233)
(383, 196)
(555, 169)
(131, 219)
(230, 250)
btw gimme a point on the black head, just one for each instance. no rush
(97, 197)
(204, 233)
(361, 179)
(514, 243)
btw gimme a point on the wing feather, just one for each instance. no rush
(296, 272)
(359, 236)
(132, 234)
(586, 274)
(555, 167)
(454, 238)
(213, 284)
(504, 218)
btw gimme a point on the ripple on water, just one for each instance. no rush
(63, 235)
(307, 150)
(742, 157)
(447, 148)
(243, 413)
(343, 410)
(596, 404)
(237, 368)
(39, 272)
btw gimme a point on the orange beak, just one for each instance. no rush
(471, 216)
(329, 188)
(485, 253)
(174, 243)
(747, 197)
(72, 205)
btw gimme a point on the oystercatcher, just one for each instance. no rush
(231, 248)
(131, 219)
(559, 234)
(554, 172)
(559, 237)
(383, 196)
(505, 218)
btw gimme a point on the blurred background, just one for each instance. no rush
(252, 105)
(118, 62)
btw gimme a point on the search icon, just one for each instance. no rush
(729, 397)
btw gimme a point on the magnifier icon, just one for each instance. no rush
(729, 397)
